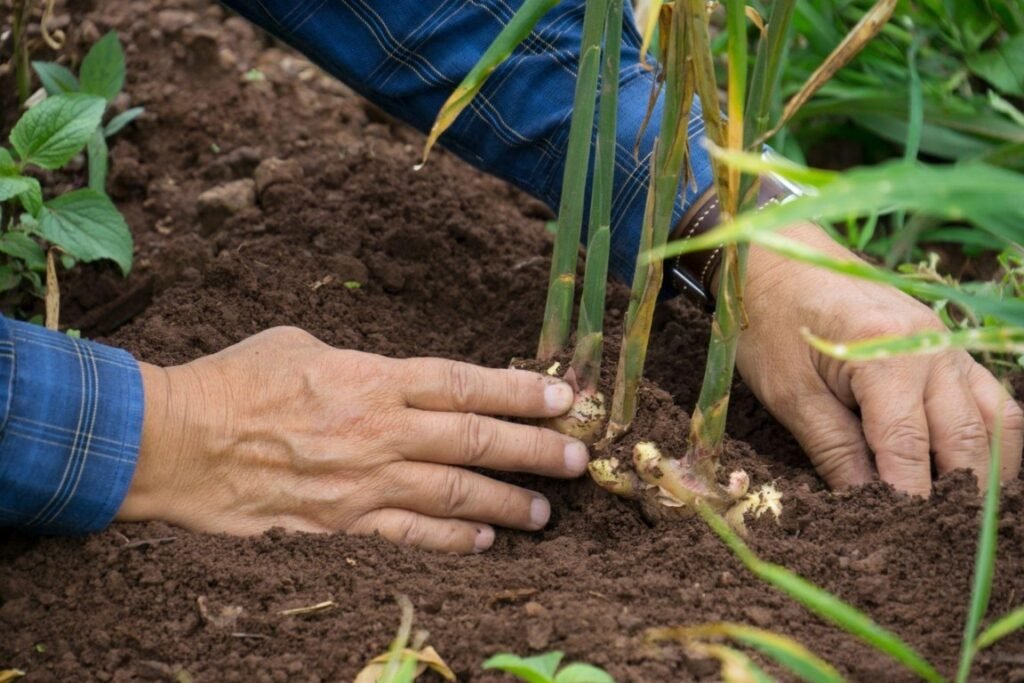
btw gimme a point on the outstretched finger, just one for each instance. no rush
(468, 439)
(998, 408)
(446, 385)
(405, 527)
(891, 399)
(454, 492)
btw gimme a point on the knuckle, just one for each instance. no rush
(968, 435)
(409, 531)
(1013, 417)
(833, 455)
(461, 383)
(476, 437)
(906, 440)
(289, 335)
(455, 491)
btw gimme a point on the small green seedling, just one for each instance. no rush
(544, 669)
(101, 74)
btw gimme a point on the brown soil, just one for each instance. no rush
(452, 264)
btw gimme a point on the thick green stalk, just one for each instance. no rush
(707, 428)
(670, 155)
(590, 329)
(562, 285)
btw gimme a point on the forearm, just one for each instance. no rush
(408, 56)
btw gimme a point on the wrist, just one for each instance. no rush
(171, 436)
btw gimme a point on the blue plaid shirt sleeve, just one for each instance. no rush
(70, 424)
(407, 56)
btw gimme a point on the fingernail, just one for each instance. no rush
(540, 511)
(576, 457)
(558, 397)
(484, 539)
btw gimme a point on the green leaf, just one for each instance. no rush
(821, 602)
(98, 161)
(32, 199)
(12, 186)
(56, 129)
(539, 669)
(87, 225)
(8, 278)
(784, 650)
(514, 32)
(102, 71)
(994, 339)
(1002, 66)
(7, 164)
(1004, 626)
(22, 247)
(56, 78)
(985, 561)
(578, 672)
(115, 124)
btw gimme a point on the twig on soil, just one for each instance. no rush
(312, 609)
(255, 636)
(142, 542)
(511, 595)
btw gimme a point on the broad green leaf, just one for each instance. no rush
(22, 247)
(87, 225)
(98, 155)
(994, 339)
(56, 78)
(579, 672)
(821, 602)
(102, 71)
(9, 279)
(784, 650)
(32, 199)
(56, 129)
(115, 124)
(7, 164)
(514, 32)
(539, 669)
(12, 186)
(985, 561)
(1004, 626)
(1002, 66)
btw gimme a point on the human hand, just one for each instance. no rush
(903, 410)
(283, 430)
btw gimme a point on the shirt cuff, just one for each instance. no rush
(70, 424)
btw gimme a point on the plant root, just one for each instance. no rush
(670, 488)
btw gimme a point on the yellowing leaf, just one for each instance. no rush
(427, 658)
(8, 675)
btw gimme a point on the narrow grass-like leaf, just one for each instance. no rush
(992, 339)
(1004, 626)
(865, 30)
(515, 32)
(784, 650)
(985, 562)
(821, 602)
(736, 667)
(649, 24)
(115, 124)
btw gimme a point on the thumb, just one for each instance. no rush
(832, 437)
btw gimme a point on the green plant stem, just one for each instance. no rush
(670, 154)
(21, 72)
(590, 329)
(984, 565)
(562, 285)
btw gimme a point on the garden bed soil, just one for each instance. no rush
(454, 264)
